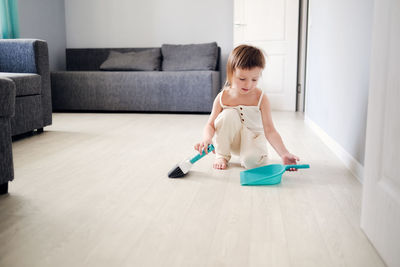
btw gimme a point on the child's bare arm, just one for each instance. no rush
(209, 129)
(272, 135)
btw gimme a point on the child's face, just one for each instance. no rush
(245, 80)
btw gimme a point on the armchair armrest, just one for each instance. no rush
(29, 56)
(7, 97)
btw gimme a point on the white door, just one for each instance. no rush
(272, 25)
(380, 216)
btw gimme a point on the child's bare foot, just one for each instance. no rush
(220, 164)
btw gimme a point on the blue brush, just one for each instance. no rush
(184, 167)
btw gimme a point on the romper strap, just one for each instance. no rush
(259, 101)
(220, 98)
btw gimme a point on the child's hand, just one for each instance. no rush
(203, 146)
(290, 159)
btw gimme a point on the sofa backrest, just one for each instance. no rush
(90, 59)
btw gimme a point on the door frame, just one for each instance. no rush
(302, 56)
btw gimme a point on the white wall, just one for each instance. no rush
(45, 19)
(150, 23)
(339, 42)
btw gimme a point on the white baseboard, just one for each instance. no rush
(351, 163)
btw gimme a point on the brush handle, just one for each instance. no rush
(304, 166)
(203, 153)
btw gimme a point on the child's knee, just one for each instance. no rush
(250, 161)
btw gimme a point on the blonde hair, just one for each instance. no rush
(243, 57)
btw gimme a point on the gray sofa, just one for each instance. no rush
(173, 78)
(25, 96)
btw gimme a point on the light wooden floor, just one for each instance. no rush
(92, 190)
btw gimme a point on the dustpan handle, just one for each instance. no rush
(303, 166)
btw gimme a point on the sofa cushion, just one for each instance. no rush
(90, 59)
(25, 83)
(189, 57)
(145, 60)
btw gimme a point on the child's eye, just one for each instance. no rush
(241, 79)
(254, 80)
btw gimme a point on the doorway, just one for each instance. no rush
(279, 28)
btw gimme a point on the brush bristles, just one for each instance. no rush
(176, 172)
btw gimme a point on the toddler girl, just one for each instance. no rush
(241, 115)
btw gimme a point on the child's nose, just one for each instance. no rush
(250, 84)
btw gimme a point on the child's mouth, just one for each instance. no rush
(244, 89)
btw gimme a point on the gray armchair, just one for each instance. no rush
(26, 63)
(25, 96)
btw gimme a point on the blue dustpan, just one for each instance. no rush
(267, 175)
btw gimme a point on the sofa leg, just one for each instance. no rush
(4, 188)
(40, 130)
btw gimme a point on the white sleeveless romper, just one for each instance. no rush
(239, 131)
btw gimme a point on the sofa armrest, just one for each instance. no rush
(7, 97)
